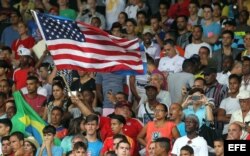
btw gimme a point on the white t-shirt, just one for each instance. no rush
(199, 145)
(172, 65)
(142, 114)
(223, 78)
(229, 105)
(192, 49)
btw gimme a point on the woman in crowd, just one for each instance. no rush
(30, 146)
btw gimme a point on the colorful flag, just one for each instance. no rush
(79, 46)
(26, 120)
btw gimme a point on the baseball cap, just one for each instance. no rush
(150, 86)
(22, 51)
(243, 94)
(120, 104)
(230, 21)
(209, 70)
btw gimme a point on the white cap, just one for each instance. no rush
(22, 51)
(243, 94)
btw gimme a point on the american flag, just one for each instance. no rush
(79, 46)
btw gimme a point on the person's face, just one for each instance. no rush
(57, 92)
(147, 38)
(6, 147)
(227, 40)
(185, 153)
(14, 19)
(234, 85)
(80, 152)
(170, 50)
(43, 73)
(15, 143)
(158, 149)
(156, 80)
(95, 23)
(247, 40)
(4, 130)
(181, 23)
(203, 53)
(115, 142)
(217, 11)
(123, 149)
(2, 71)
(48, 136)
(130, 27)
(210, 78)
(5, 55)
(197, 34)
(62, 2)
(122, 19)
(4, 87)
(141, 19)
(120, 97)
(24, 60)
(207, 13)
(245, 105)
(56, 117)
(22, 29)
(190, 125)
(151, 149)
(154, 24)
(159, 112)
(28, 147)
(116, 32)
(243, 17)
(87, 97)
(227, 65)
(124, 111)
(229, 27)
(91, 127)
(175, 111)
(192, 8)
(151, 93)
(199, 84)
(32, 86)
(163, 10)
(234, 132)
(237, 69)
(91, 3)
(116, 126)
(10, 112)
(218, 148)
(246, 67)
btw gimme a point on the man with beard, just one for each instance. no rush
(184, 35)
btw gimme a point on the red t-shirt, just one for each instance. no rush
(178, 9)
(27, 43)
(20, 77)
(105, 127)
(36, 102)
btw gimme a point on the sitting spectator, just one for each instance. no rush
(176, 115)
(6, 146)
(123, 148)
(151, 149)
(219, 147)
(48, 148)
(227, 65)
(30, 146)
(162, 146)
(187, 151)
(79, 149)
(17, 143)
(234, 131)
(245, 85)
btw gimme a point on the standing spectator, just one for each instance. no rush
(245, 52)
(245, 83)
(197, 43)
(48, 148)
(156, 29)
(227, 65)
(192, 139)
(193, 19)
(10, 33)
(242, 116)
(24, 7)
(17, 142)
(65, 11)
(158, 128)
(243, 18)
(106, 82)
(176, 115)
(94, 144)
(211, 29)
(162, 146)
(130, 29)
(229, 104)
(183, 34)
(179, 8)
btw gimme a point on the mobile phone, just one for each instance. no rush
(73, 93)
(196, 97)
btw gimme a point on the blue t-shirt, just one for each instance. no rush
(181, 129)
(210, 30)
(66, 144)
(9, 35)
(56, 151)
(200, 113)
(94, 148)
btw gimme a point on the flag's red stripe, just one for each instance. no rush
(94, 61)
(91, 50)
(106, 69)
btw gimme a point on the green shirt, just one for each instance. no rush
(69, 13)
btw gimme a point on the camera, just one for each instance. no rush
(196, 98)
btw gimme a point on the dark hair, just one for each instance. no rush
(141, 13)
(120, 118)
(58, 109)
(79, 145)
(124, 94)
(88, 90)
(217, 4)
(194, 90)
(111, 153)
(188, 148)
(207, 6)
(47, 66)
(198, 26)
(49, 129)
(7, 48)
(169, 41)
(33, 78)
(74, 127)
(123, 141)
(173, 34)
(150, 60)
(125, 14)
(156, 17)
(228, 32)
(235, 76)
(164, 106)
(195, 2)
(182, 16)
(98, 19)
(132, 21)
(166, 4)
(58, 84)
(208, 50)
(18, 134)
(200, 79)
(5, 138)
(92, 117)
(164, 143)
(116, 25)
(119, 136)
(6, 122)
(187, 63)
(3, 95)
(4, 64)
